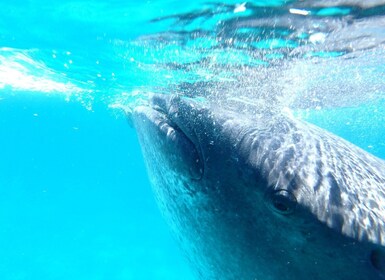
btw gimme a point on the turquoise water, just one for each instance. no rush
(75, 201)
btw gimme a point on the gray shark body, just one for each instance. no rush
(263, 196)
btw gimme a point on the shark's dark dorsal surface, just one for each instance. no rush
(263, 196)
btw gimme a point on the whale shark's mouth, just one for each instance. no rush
(179, 150)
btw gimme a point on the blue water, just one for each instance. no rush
(75, 200)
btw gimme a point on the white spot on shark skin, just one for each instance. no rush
(299, 12)
(240, 8)
(317, 38)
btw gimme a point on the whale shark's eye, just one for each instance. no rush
(377, 258)
(282, 201)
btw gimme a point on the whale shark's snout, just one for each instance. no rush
(263, 196)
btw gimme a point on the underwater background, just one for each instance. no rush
(75, 200)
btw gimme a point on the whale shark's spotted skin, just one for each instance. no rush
(263, 195)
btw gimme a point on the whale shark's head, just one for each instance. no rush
(249, 197)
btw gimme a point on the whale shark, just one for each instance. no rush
(262, 194)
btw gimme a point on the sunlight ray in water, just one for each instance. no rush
(20, 72)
